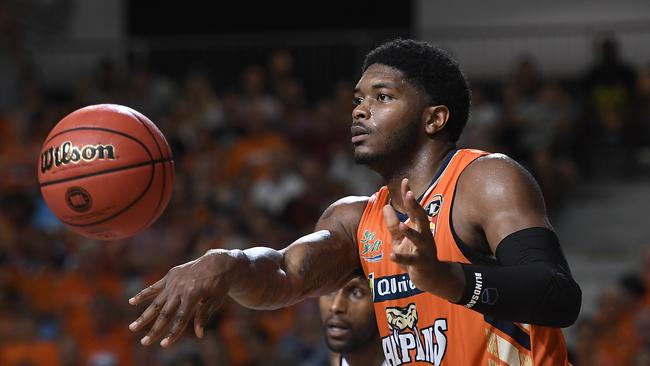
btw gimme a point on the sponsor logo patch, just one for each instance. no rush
(371, 250)
(393, 287)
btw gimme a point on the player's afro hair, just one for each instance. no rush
(431, 69)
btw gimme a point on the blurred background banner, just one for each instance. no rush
(255, 100)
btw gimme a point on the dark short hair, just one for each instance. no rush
(431, 69)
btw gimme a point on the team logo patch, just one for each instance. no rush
(408, 342)
(433, 209)
(371, 250)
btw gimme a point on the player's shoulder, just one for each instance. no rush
(495, 167)
(494, 161)
(495, 175)
(348, 204)
(344, 215)
(495, 188)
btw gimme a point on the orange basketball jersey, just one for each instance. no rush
(419, 328)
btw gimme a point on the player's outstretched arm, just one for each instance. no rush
(261, 278)
(314, 265)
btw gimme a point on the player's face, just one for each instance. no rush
(386, 115)
(349, 317)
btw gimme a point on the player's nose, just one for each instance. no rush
(339, 304)
(360, 112)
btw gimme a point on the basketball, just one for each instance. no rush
(106, 171)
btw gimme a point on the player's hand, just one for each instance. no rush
(415, 250)
(413, 246)
(194, 289)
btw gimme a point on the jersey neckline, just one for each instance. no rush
(445, 162)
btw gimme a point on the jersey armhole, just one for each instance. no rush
(372, 200)
(471, 254)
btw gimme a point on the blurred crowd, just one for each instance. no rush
(618, 331)
(256, 164)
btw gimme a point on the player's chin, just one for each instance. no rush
(336, 344)
(362, 155)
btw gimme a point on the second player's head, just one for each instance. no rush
(349, 318)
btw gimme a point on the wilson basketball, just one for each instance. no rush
(106, 171)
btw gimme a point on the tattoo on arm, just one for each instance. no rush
(316, 264)
(314, 269)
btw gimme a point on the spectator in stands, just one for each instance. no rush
(642, 328)
(609, 90)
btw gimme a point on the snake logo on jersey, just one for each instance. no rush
(408, 342)
(432, 210)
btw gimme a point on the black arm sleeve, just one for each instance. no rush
(532, 284)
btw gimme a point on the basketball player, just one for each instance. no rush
(348, 317)
(464, 265)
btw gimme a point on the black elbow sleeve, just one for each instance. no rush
(532, 284)
(561, 303)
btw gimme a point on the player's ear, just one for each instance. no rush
(435, 118)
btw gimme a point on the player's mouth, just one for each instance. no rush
(337, 328)
(359, 133)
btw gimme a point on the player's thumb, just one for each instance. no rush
(392, 222)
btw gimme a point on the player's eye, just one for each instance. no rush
(356, 101)
(357, 293)
(383, 97)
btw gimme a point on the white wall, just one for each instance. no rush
(98, 19)
(488, 36)
(95, 31)
(432, 14)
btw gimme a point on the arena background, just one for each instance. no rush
(255, 101)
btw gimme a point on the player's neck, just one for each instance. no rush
(419, 173)
(368, 356)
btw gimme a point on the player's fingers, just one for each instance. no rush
(148, 293)
(149, 314)
(415, 212)
(392, 222)
(199, 319)
(404, 259)
(417, 238)
(181, 318)
(162, 321)
(404, 186)
(404, 190)
(203, 315)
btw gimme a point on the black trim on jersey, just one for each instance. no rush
(510, 329)
(470, 253)
(402, 216)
